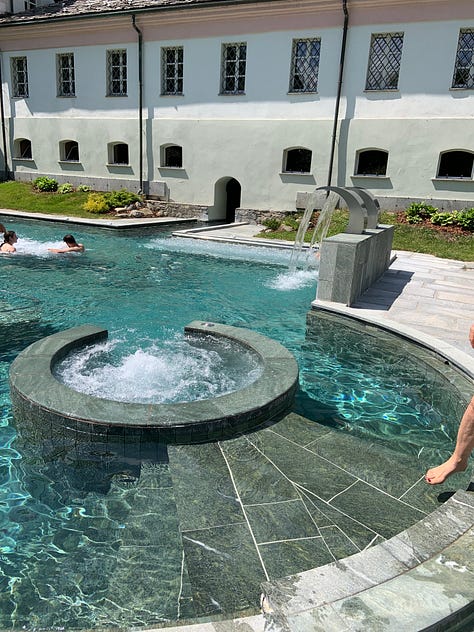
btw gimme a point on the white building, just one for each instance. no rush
(242, 103)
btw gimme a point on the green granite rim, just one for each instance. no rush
(34, 386)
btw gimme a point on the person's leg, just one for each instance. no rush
(457, 462)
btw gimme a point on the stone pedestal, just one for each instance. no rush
(351, 263)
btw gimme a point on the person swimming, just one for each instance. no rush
(71, 245)
(9, 240)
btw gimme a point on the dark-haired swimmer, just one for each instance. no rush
(9, 241)
(71, 245)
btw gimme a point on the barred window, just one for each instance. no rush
(234, 59)
(456, 164)
(305, 65)
(371, 162)
(172, 156)
(19, 72)
(297, 160)
(66, 84)
(118, 154)
(172, 60)
(69, 151)
(117, 73)
(464, 66)
(384, 61)
(22, 149)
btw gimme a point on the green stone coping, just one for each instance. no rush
(32, 381)
(421, 579)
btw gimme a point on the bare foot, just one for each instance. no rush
(439, 474)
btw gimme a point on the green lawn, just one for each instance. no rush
(21, 196)
(406, 237)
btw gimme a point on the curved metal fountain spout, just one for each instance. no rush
(358, 212)
(371, 204)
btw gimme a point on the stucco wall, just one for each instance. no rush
(244, 136)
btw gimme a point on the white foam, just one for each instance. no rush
(287, 281)
(26, 246)
(171, 371)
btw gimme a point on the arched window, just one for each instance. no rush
(456, 164)
(69, 151)
(297, 160)
(172, 156)
(22, 149)
(118, 154)
(371, 162)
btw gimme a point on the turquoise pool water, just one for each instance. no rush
(136, 536)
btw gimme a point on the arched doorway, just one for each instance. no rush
(233, 191)
(227, 193)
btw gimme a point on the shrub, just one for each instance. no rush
(466, 219)
(291, 221)
(272, 223)
(45, 184)
(121, 198)
(84, 188)
(419, 211)
(96, 203)
(65, 188)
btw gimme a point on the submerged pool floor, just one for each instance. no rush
(170, 533)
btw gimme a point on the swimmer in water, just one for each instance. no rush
(71, 245)
(9, 240)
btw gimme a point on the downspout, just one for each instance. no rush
(11, 6)
(339, 90)
(140, 100)
(4, 133)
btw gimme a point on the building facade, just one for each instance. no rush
(242, 104)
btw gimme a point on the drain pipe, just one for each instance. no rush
(339, 91)
(140, 100)
(2, 115)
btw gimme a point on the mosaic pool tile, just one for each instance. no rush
(280, 521)
(224, 569)
(305, 468)
(292, 556)
(369, 460)
(204, 492)
(326, 515)
(256, 478)
(299, 429)
(376, 510)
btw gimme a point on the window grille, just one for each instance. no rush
(173, 156)
(384, 61)
(172, 60)
(464, 66)
(298, 160)
(65, 75)
(456, 164)
(19, 71)
(305, 65)
(234, 58)
(117, 73)
(372, 162)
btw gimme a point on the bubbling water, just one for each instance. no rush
(169, 371)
